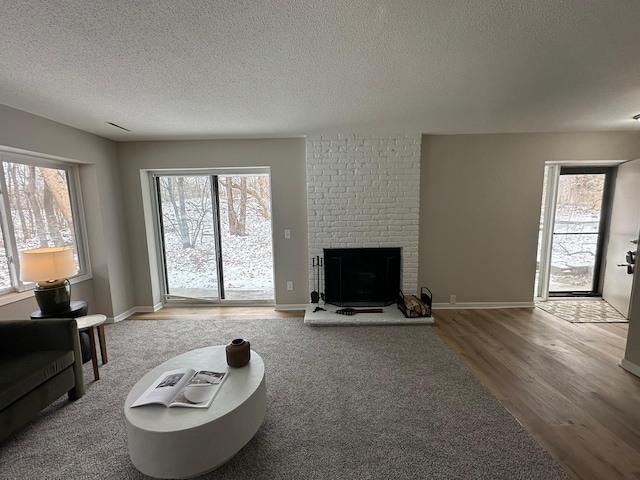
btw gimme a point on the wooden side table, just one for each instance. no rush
(89, 323)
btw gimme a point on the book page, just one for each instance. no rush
(200, 390)
(166, 387)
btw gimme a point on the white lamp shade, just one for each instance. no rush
(42, 264)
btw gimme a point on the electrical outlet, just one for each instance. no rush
(289, 285)
(452, 299)
(287, 234)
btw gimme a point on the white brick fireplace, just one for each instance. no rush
(363, 191)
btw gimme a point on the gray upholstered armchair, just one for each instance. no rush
(40, 361)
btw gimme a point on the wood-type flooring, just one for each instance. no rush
(217, 312)
(562, 381)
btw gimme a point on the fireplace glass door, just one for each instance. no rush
(362, 276)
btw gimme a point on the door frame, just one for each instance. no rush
(168, 299)
(550, 203)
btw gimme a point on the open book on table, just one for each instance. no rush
(184, 387)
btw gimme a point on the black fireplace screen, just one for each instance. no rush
(362, 276)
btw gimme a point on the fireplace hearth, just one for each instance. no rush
(362, 276)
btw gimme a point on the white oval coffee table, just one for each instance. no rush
(187, 442)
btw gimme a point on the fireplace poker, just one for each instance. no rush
(315, 296)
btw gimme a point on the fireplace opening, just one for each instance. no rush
(362, 276)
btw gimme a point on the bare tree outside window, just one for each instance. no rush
(5, 279)
(40, 206)
(189, 236)
(175, 186)
(40, 210)
(576, 230)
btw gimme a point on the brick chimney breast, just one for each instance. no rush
(363, 191)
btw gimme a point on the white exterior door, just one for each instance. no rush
(623, 232)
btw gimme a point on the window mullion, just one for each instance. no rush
(8, 233)
(79, 225)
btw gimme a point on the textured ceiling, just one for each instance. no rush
(169, 69)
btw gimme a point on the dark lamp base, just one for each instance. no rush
(53, 299)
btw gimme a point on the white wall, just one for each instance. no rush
(363, 191)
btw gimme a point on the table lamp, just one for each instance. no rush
(50, 267)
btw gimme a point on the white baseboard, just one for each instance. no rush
(131, 311)
(122, 316)
(630, 367)
(152, 309)
(303, 306)
(438, 306)
(291, 306)
(481, 305)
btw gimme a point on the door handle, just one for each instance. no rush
(635, 242)
(629, 267)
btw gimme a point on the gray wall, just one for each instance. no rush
(109, 292)
(285, 157)
(480, 208)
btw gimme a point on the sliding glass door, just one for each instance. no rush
(245, 235)
(215, 236)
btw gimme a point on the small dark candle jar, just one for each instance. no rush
(238, 353)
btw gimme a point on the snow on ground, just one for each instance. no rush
(247, 260)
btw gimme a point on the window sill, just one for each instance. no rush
(18, 296)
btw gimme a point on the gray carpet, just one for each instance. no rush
(366, 402)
